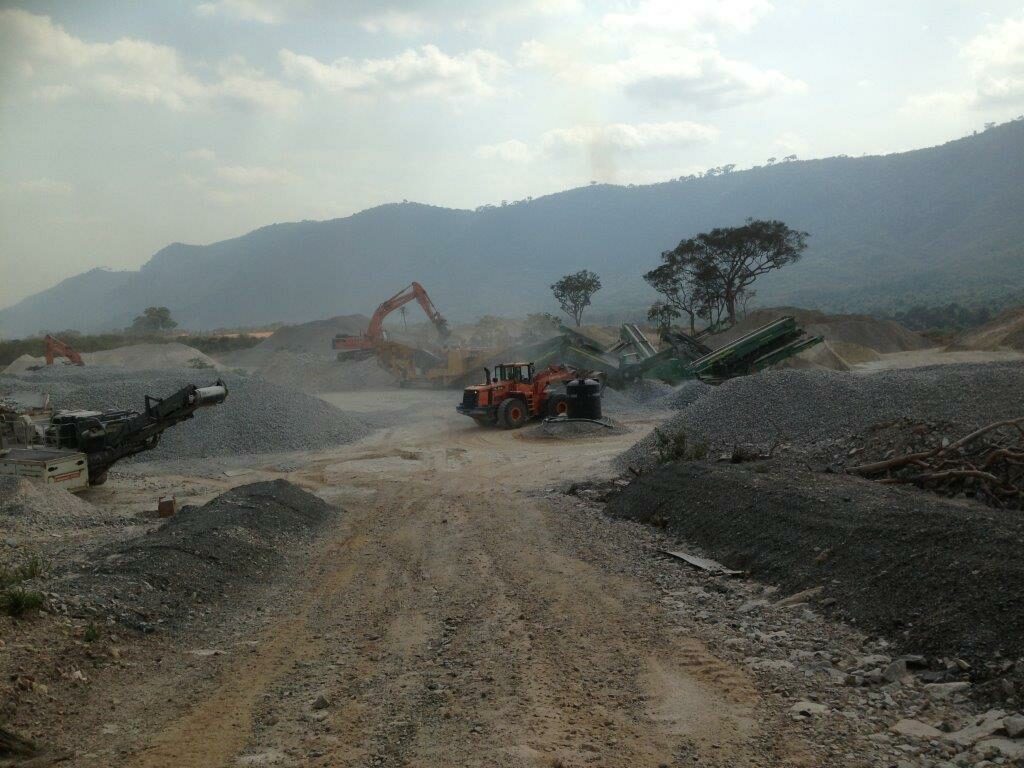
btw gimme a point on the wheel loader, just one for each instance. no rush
(515, 393)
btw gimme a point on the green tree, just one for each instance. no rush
(663, 315)
(719, 267)
(573, 293)
(690, 288)
(154, 319)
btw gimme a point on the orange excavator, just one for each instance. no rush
(362, 345)
(57, 348)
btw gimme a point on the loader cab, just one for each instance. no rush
(518, 372)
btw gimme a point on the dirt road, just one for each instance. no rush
(457, 616)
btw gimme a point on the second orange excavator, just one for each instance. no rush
(363, 345)
(57, 348)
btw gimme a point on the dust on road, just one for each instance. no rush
(450, 620)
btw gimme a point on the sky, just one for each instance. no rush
(126, 126)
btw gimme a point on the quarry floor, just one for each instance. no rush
(463, 612)
(459, 614)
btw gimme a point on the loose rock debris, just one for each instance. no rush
(197, 558)
(939, 577)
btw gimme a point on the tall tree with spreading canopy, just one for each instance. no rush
(722, 265)
(573, 293)
(689, 288)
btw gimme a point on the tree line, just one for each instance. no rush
(708, 277)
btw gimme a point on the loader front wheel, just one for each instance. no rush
(558, 405)
(512, 413)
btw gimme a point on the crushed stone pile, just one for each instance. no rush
(683, 395)
(32, 511)
(646, 391)
(1006, 331)
(813, 410)
(137, 357)
(257, 417)
(314, 338)
(557, 429)
(939, 577)
(202, 555)
(313, 373)
(821, 355)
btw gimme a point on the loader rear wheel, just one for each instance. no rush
(512, 413)
(558, 405)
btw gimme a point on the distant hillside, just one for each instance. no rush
(935, 224)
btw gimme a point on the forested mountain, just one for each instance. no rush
(932, 225)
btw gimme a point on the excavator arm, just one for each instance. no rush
(57, 348)
(414, 291)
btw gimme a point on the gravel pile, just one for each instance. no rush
(647, 391)
(257, 417)
(315, 339)
(202, 555)
(136, 357)
(313, 373)
(30, 511)
(573, 430)
(812, 409)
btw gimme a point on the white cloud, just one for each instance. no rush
(202, 154)
(511, 151)
(629, 136)
(47, 187)
(426, 71)
(995, 61)
(995, 68)
(398, 23)
(671, 17)
(413, 18)
(250, 176)
(244, 10)
(938, 101)
(603, 139)
(663, 73)
(706, 78)
(791, 143)
(127, 69)
(55, 92)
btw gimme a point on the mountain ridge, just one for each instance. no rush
(934, 224)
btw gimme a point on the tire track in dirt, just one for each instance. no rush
(219, 726)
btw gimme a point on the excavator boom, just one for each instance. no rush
(374, 335)
(57, 348)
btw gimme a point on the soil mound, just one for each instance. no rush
(199, 557)
(873, 333)
(1005, 331)
(137, 357)
(938, 576)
